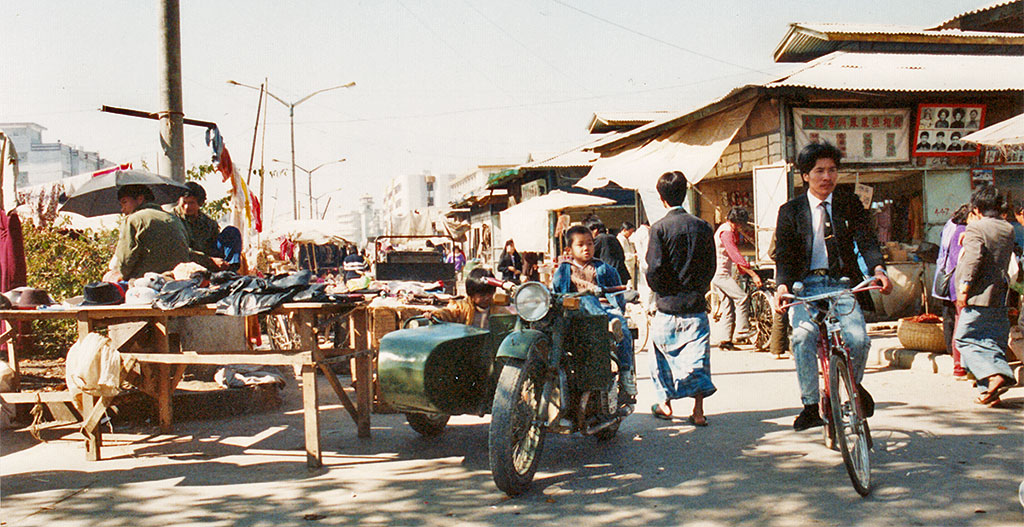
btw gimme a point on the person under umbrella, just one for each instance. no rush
(150, 240)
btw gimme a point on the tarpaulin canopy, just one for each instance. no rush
(319, 232)
(527, 222)
(692, 149)
(557, 200)
(1002, 134)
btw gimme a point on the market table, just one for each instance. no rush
(158, 379)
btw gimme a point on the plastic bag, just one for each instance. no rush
(93, 367)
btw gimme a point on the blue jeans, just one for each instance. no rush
(981, 335)
(805, 337)
(624, 348)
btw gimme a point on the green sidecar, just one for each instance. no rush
(438, 370)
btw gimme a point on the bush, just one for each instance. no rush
(61, 262)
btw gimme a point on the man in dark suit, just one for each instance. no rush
(815, 235)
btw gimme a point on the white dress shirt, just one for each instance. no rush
(819, 252)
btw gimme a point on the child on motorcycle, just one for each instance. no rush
(584, 273)
(475, 309)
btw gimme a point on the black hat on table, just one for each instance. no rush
(102, 294)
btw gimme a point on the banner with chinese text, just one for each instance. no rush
(864, 135)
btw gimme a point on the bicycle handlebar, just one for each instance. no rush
(863, 286)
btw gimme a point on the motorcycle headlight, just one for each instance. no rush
(532, 301)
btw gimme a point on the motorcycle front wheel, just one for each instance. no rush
(516, 435)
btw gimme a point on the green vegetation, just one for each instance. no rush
(61, 262)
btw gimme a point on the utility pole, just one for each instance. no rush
(291, 119)
(172, 134)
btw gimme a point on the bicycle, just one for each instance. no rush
(840, 404)
(759, 300)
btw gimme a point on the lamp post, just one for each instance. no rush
(291, 117)
(309, 174)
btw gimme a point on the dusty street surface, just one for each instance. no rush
(939, 460)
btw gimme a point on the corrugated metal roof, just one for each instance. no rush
(574, 158)
(982, 9)
(860, 72)
(830, 28)
(609, 121)
(908, 73)
(805, 40)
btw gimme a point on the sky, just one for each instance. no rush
(441, 85)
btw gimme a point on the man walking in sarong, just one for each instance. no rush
(680, 265)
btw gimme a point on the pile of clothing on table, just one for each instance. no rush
(190, 284)
(403, 291)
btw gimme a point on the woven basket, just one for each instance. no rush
(921, 336)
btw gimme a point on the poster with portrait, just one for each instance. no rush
(939, 128)
(864, 135)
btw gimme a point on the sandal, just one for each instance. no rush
(657, 412)
(694, 422)
(993, 395)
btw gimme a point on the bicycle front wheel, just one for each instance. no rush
(849, 425)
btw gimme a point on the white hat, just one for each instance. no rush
(140, 296)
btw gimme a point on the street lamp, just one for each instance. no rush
(291, 117)
(309, 173)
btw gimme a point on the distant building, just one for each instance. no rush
(40, 162)
(421, 196)
(362, 224)
(465, 185)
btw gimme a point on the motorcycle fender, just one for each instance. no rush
(517, 344)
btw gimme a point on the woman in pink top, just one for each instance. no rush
(735, 308)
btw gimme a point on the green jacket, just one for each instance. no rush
(150, 240)
(201, 233)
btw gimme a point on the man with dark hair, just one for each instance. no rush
(200, 229)
(150, 239)
(814, 240)
(735, 307)
(922, 143)
(680, 264)
(983, 330)
(608, 250)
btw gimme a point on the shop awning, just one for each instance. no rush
(692, 149)
(1000, 135)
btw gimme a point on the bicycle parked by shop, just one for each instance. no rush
(841, 404)
(761, 306)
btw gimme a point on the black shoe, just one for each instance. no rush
(808, 418)
(727, 346)
(867, 402)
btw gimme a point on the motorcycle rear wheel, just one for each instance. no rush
(516, 435)
(427, 425)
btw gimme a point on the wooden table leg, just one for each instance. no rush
(93, 437)
(165, 378)
(310, 410)
(304, 322)
(362, 374)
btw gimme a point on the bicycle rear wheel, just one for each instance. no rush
(849, 425)
(761, 318)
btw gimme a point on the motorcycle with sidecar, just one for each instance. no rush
(551, 367)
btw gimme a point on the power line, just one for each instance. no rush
(511, 106)
(512, 37)
(656, 39)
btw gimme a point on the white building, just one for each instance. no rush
(412, 201)
(40, 162)
(466, 185)
(362, 224)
